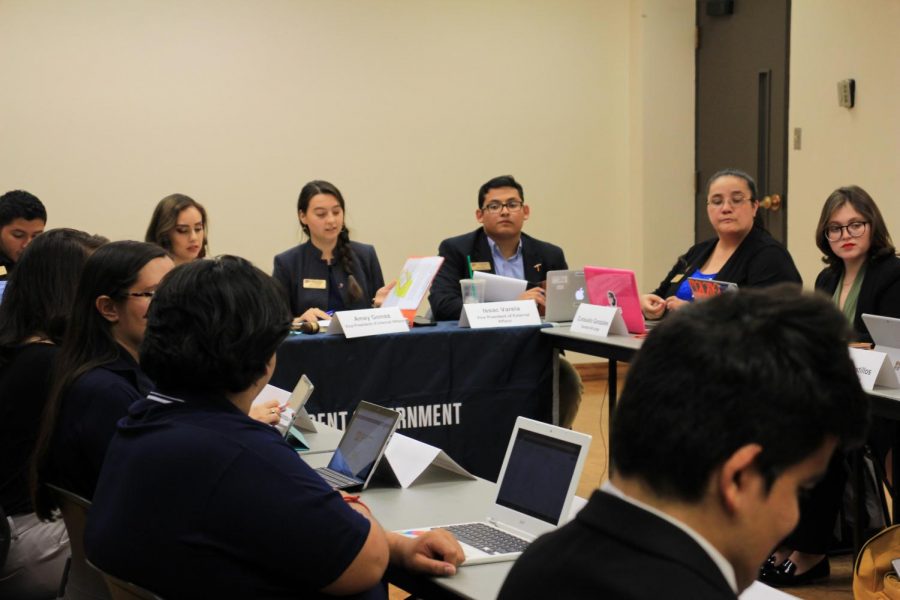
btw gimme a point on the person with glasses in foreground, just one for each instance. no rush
(97, 375)
(742, 252)
(862, 276)
(733, 408)
(242, 515)
(500, 247)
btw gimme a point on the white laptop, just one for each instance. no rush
(537, 483)
(360, 450)
(565, 293)
(885, 332)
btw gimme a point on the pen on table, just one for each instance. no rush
(469, 263)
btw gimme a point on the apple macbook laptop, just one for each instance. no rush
(707, 288)
(885, 332)
(361, 447)
(565, 292)
(616, 287)
(537, 482)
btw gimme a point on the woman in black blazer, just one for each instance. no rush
(328, 272)
(862, 276)
(861, 258)
(742, 252)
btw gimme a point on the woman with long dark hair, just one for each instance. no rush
(329, 272)
(33, 318)
(97, 375)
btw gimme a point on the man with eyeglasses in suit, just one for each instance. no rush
(500, 247)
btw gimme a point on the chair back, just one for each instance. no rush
(5, 537)
(82, 582)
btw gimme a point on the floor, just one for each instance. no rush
(593, 418)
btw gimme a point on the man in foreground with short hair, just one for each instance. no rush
(733, 408)
(22, 218)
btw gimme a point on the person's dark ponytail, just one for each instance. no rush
(346, 252)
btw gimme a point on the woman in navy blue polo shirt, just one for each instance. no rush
(97, 375)
(198, 500)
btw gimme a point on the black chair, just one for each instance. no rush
(82, 582)
(5, 537)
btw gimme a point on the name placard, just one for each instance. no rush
(514, 313)
(873, 367)
(368, 321)
(598, 321)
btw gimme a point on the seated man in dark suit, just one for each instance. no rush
(500, 247)
(733, 408)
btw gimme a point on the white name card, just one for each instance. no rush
(874, 367)
(514, 313)
(368, 321)
(598, 321)
(893, 356)
(408, 459)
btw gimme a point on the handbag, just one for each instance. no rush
(874, 577)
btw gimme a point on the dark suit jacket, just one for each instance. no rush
(305, 262)
(879, 294)
(613, 549)
(446, 298)
(759, 261)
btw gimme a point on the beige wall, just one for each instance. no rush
(833, 40)
(408, 106)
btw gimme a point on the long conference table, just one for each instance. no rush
(459, 389)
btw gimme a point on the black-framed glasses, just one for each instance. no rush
(835, 232)
(140, 294)
(496, 206)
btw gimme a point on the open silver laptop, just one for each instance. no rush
(361, 447)
(565, 293)
(537, 482)
(885, 332)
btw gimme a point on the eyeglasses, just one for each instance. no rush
(140, 294)
(734, 201)
(855, 229)
(510, 205)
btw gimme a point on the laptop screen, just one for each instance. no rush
(538, 475)
(365, 438)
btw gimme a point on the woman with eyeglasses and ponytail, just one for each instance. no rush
(328, 272)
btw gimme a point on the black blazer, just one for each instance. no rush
(879, 294)
(446, 298)
(305, 262)
(759, 261)
(613, 549)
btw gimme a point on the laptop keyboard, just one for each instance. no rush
(336, 480)
(487, 539)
